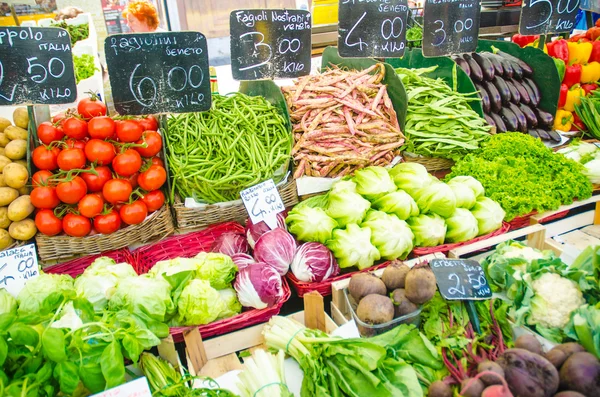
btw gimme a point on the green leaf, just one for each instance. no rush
(6, 321)
(84, 308)
(53, 345)
(67, 375)
(23, 335)
(3, 351)
(132, 347)
(44, 374)
(34, 364)
(92, 377)
(112, 364)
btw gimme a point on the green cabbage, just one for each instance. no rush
(437, 198)
(231, 302)
(398, 203)
(352, 247)
(489, 215)
(199, 303)
(105, 265)
(410, 177)
(145, 296)
(473, 183)
(8, 304)
(343, 185)
(216, 268)
(429, 230)
(373, 182)
(310, 224)
(391, 236)
(347, 207)
(466, 192)
(462, 226)
(37, 289)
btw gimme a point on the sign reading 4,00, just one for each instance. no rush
(548, 16)
(375, 28)
(158, 72)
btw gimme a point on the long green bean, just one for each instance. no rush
(239, 142)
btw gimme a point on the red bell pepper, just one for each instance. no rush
(572, 75)
(522, 40)
(588, 88)
(559, 49)
(562, 98)
(595, 55)
(577, 124)
(598, 23)
(593, 33)
(581, 37)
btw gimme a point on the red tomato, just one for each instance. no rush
(102, 127)
(90, 205)
(133, 180)
(44, 158)
(44, 197)
(129, 131)
(127, 163)
(47, 223)
(76, 225)
(116, 190)
(153, 143)
(41, 178)
(70, 159)
(134, 213)
(72, 191)
(91, 107)
(153, 178)
(148, 123)
(75, 128)
(95, 183)
(74, 143)
(158, 161)
(48, 133)
(101, 152)
(154, 200)
(107, 223)
(58, 118)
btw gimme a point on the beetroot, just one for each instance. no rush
(581, 373)
(496, 391)
(569, 394)
(528, 374)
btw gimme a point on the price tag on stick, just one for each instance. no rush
(375, 28)
(450, 27)
(263, 203)
(267, 44)
(547, 16)
(158, 72)
(17, 265)
(36, 67)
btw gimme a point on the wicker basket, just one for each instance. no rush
(525, 220)
(76, 266)
(431, 163)
(158, 225)
(195, 218)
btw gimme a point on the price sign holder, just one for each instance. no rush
(547, 16)
(36, 66)
(263, 203)
(462, 279)
(17, 265)
(450, 27)
(136, 388)
(372, 29)
(267, 44)
(154, 73)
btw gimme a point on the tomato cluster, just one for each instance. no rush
(96, 173)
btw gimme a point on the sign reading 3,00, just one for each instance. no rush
(158, 72)
(372, 28)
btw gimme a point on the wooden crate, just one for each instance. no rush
(217, 356)
(340, 312)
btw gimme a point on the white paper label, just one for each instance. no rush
(263, 203)
(17, 265)
(135, 388)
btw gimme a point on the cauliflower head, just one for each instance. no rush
(555, 298)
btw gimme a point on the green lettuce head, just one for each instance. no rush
(437, 198)
(199, 303)
(429, 230)
(398, 203)
(466, 190)
(462, 226)
(410, 177)
(8, 304)
(218, 269)
(347, 207)
(352, 247)
(310, 224)
(471, 182)
(373, 182)
(231, 302)
(391, 236)
(145, 296)
(170, 267)
(37, 289)
(489, 215)
(343, 185)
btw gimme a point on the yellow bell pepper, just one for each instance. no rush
(536, 44)
(579, 53)
(574, 97)
(590, 73)
(563, 120)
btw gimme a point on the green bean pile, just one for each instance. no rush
(439, 121)
(241, 141)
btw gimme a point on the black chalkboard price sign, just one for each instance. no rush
(460, 279)
(158, 72)
(547, 16)
(36, 66)
(450, 27)
(267, 44)
(372, 28)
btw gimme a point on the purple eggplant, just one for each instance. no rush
(532, 121)
(533, 133)
(534, 88)
(555, 136)
(486, 66)
(502, 89)
(495, 60)
(500, 126)
(527, 70)
(495, 98)
(545, 119)
(523, 93)
(515, 96)
(534, 99)
(489, 120)
(508, 69)
(464, 65)
(510, 119)
(485, 98)
(521, 119)
(476, 72)
(544, 136)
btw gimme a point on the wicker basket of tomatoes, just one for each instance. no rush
(98, 182)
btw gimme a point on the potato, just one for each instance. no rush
(5, 240)
(22, 162)
(16, 150)
(2, 151)
(20, 209)
(2, 182)
(4, 161)
(13, 133)
(4, 123)
(3, 139)
(8, 195)
(15, 175)
(22, 230)
(21, 117)
(24, 190)
(4, 221)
